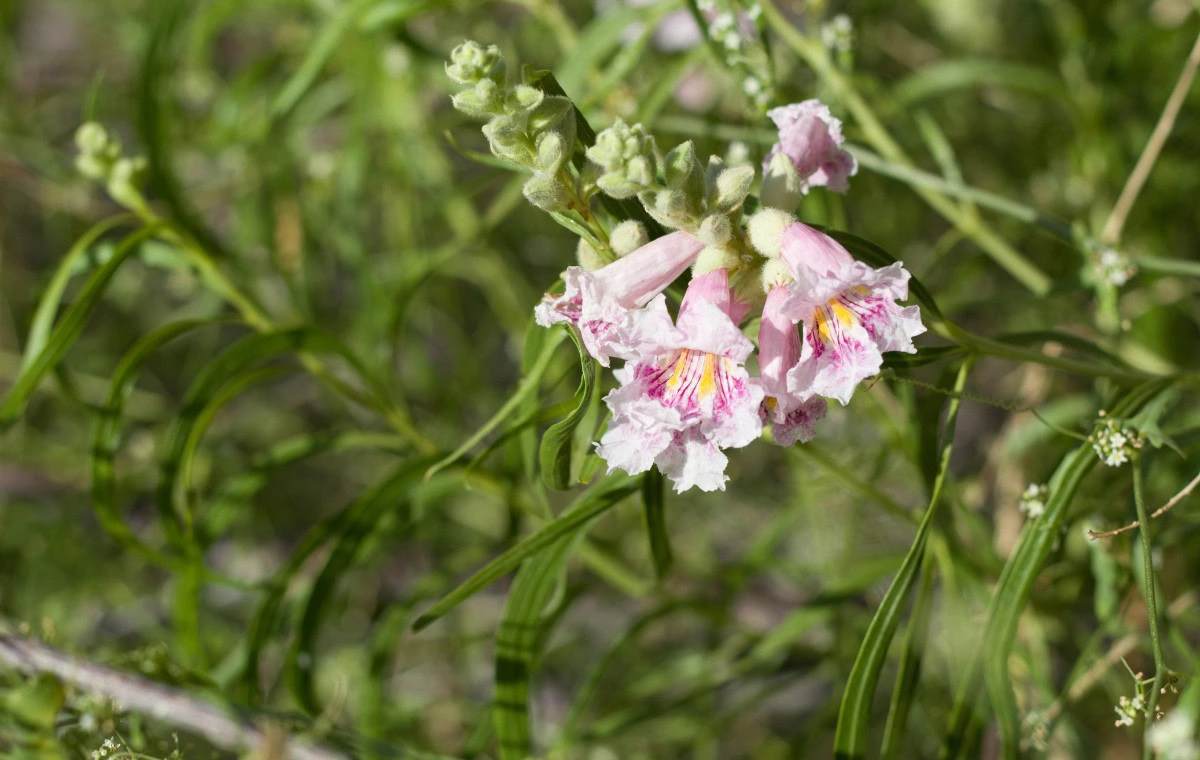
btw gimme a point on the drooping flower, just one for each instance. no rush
(691, 397)
(599, 303)
(849, 313)
(812, 138)
(791, 416)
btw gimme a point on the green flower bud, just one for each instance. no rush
(587, 257)
(524, 98)
(470, 63)
(781, 186)
(669, 208)
(97, 150)
(628, 236)
(556, 113)
(685, 174)
(715, 230)
(507, 139)
(551, 152)
(481, 101)
(714, 258)
(546, 192)
(732, 186)
(766, 231)
(774, 273)
(620, 144)
(125, 181)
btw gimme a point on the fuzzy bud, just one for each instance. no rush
(713, 258)
(626, 154)
(523, 98)
(98, 150)
(470, 63)
(545, 191)
(715, 230)
(125, 180)
(732, 186)
(781, 185)
(507, 139)
(627, 237)
(766, 231)
(551, 152)
(774, 274)
(482, 100)
(587, 257)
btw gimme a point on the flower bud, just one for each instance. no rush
(587, 256)
(125, 180)
(619, 144)
(715, 230)
(507, 139)
(713, 258)
(628, 236)
(470, 63)
(551, 152)
(766, 231)
(524, 98)
(483, 100)
(781, 185)
(732, 186)
(545, 191)
(774, 274)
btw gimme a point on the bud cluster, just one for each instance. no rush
(524, 125)
(1033, 500)
(1114, 444)
(100, 158)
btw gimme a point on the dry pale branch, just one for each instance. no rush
(1160, 511)
(163, 703)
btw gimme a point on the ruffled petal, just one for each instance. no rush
(692, 461)
(795, 424)
(811, 138)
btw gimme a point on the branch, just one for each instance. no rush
(164, 703)
(1160, 511)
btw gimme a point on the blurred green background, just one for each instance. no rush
(309, 147)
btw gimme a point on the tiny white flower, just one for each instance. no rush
(1033, 500)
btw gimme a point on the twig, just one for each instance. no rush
(1160, 511)
(169, 705)
(1158, 138)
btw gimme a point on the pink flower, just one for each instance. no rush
(811, 137)
(680, 405)
(849, 313)
(599, 303)
(791, 415)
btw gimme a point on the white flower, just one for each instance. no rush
(1033, 500)
(1115, 445)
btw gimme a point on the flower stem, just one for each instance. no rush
(1151, 605)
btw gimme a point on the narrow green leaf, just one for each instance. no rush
(527, 386)
(72, 263)
(554, 454)
(362, 521)
(854, 716)
(108, 436)
(910, 664)
(971, 73)
(317, 55)
(67, 330)
(596, 501)
(653, 502)
(522, 629)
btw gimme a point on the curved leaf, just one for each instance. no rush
(555, 451)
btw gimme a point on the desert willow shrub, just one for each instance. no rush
(730, 340)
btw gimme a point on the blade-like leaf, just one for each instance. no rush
(653, 502)
(596, 501)
(555, 451)
(854, 716)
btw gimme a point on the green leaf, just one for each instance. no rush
(36, 702)
(601, 37)
(73, 262)
(596, 501)
(361, 522)
(318, 54)
(527, 386)
(555, 451)
(68, 329)
(910, 664)
(971, 73)
(107, 437)
(522, 630)
(854, 716)
(653, 498)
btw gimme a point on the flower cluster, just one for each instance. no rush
(688, 389)
(1114, 444)
(685, 392)
(1033, 500)
(109, 747)
(1174, 737)
(1128, 709)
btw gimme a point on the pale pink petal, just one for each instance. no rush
(789, 426)
(778, 343)
(811, 137)
(803, 246)
(693, 461)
